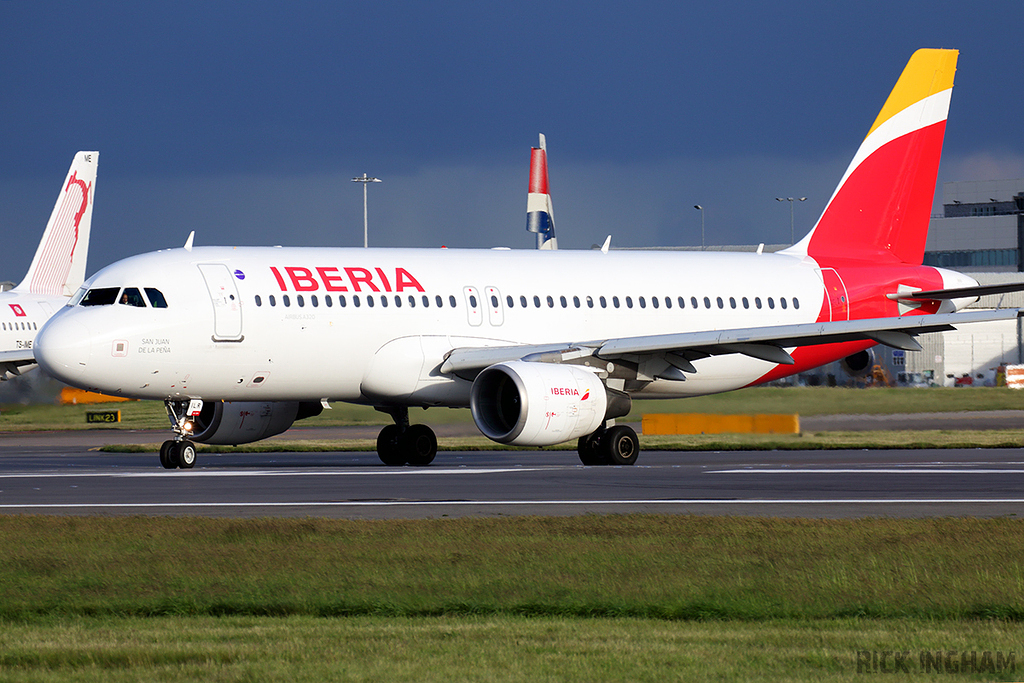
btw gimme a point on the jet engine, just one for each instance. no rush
(236, 422)
(540, 404)
(859, 364)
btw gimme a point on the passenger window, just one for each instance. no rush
(746, 303)
(590, 302)
(398, 300)
(604, 302)
(565, 304)
(682, 302)
(369, 301)
(522, 301)
(643, 302)
(510, 301)
(100, 297)
(693, 301)
(718, 300)
(439, 301)
(757, 302)
(629, 302)
(551, 301)
(732, 302)
(451, 300)
(771, 302)
(615, 301)
(707, 302)
(536, 301)
(273, 301)
(300, 301)
(782, 300)
(426, 301)
(313, 300)
(654, 301)
(576, 301)
(258, 300)
(472, 301)
(796, 303)
(342, 301)
(286, 299)
(494, 301)
(327, 300)
(156, 297)
(355, 301)
(412, 301)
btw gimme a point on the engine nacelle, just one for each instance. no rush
(236, 422)
(859, 364)
(540, 404)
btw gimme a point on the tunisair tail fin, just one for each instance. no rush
(58, 267)
(540, 216)
(880, 210)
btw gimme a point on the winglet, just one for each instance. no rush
(188, 242)
(881, 208)
(58, 267)
(540, 216)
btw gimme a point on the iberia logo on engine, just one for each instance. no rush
(569, 391)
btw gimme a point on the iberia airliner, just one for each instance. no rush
(543, 346)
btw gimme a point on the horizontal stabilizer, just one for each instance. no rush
(957, 292)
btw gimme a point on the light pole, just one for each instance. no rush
(701, 209)
(792, 239)
(364, 180)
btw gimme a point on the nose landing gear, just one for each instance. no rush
(180, 452)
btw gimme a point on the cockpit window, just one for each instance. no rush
(103, 296)
(131, 296)
(156, 298)
(78, 296)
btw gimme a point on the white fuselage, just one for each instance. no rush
(22, 315)
(374, 325)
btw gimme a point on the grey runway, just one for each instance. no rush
(57, 479)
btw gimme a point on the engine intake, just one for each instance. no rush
(541, 404)
(859, 364)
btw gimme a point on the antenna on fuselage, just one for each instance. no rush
(188, 242)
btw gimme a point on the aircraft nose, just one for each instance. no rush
(62, 348)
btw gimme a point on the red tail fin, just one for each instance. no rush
(880, 210)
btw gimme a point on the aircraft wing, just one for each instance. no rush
(11, 362)
(766, 343)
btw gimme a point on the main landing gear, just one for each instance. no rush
(616, 445)
(179, 452)
(402, 443)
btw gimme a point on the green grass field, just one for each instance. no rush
(633, 597)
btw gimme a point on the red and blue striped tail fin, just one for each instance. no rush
(540, 216)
